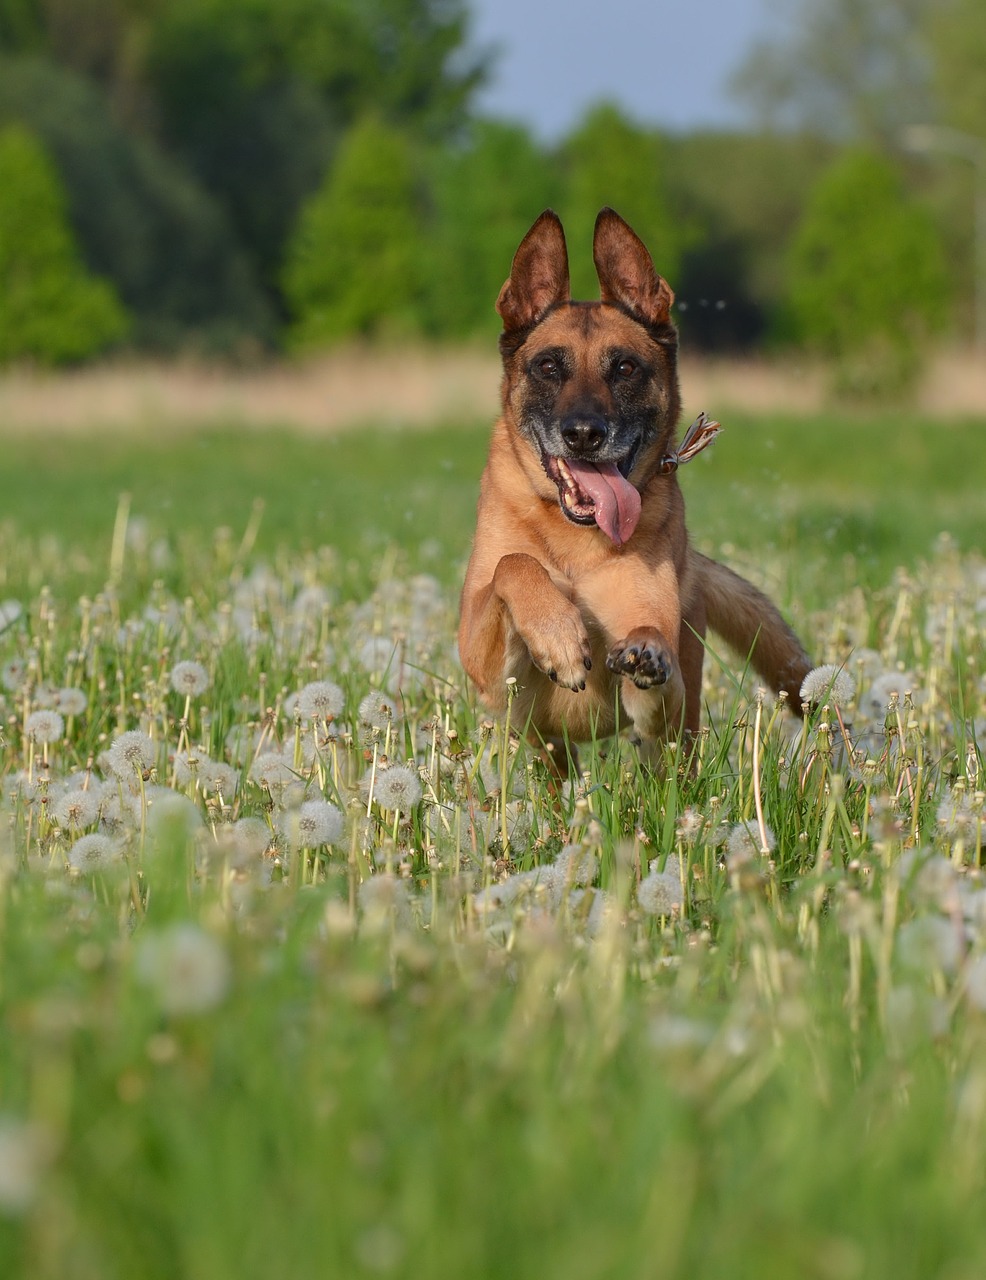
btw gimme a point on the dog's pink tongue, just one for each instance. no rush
(617, 501)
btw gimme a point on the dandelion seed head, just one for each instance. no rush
(13, 675)
(71, 702)
(511, 889)
(188, 765)
(828, 683)
(576, 865)
(660, 893)
(379, 654)
(271, 770)
(320, 700)
(76, 808)
(929, 943)
(93, 853)
(45, 726)
(744, 843)
(26, 1150)
(251, 837)
(189, 678)
(875, 702)
(45, 695)
(382, 898)
(690, 824)
(975, 982)
(132, 752)
(377, 711)
(960, 816)
(214, 776)
(10, 612)
(312, 824)
(397, 788)
(186, 968)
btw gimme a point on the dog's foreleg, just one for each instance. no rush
(641, 613)
(519, 618)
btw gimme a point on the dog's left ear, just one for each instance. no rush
(538, 278)
(626, 271)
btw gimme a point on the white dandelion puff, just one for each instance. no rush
(961, 815)
(71, 702)
(576, 865)
(13, 675)
(170, 815)
(132, 752)
(928, 943)
(975, 982)
(186, 968)
(689, 825)
(320, 700)
(314, 823)
(44, 726)
(875, 702)
(398, 788)
(661, 894)
(828, 683)
(189, 678)
(250, 837)
(272, 769)
(26, 1151)
(516, 888)
(93, 853)
(382, 898)
(377, 711)
(76, 808)
(188, 765)
(10, 612)
(215, 776)
(745, 842)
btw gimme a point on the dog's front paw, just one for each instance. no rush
(644, 657)
(561, 649)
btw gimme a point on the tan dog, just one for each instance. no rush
(581, 584)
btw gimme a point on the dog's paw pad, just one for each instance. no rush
(646, 664)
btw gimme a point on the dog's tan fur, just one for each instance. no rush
(595, 632)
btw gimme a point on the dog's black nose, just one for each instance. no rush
(584, 433)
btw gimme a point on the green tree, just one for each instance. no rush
(485, 192)
(254, 94)
(867, 282)
(958, 47)
(353, 265)
(51, 308)
(140, 217)
(608, 160)
(849, 68)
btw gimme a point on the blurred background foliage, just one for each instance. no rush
(234, 177)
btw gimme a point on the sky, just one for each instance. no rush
(666, 62)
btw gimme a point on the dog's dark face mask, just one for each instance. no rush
(591, 386)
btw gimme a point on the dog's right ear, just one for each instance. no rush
(539, 275)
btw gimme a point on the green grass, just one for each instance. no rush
(423, 1050)
(876, 490)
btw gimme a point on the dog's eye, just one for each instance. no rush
(548, 366)
(626, 368)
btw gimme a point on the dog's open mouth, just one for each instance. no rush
(595, 493)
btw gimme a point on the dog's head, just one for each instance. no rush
(591, 386)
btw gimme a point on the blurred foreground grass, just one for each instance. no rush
(463, 1026)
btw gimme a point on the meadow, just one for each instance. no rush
(304, 968)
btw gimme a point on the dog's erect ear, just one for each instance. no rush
(538, 277)
(626, 271)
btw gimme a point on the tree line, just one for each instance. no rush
(240, 176)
